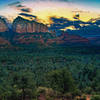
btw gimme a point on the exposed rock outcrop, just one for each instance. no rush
(75, 39)
(38, 38)
(21, 25)
(40, 34)
(3, 25)
(66, 38)
(3, 30)
(49, 39)
(4, 42)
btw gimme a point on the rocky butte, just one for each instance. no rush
(3, 25)
(21, 25)
(3, 30)
(21, 29)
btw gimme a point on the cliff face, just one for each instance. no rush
(38, 38)
(66, 38)
(21, 25)
(3, 31)
(3, 25)
(50, 39)
(75, 39)
(40, 34)
(4, 42)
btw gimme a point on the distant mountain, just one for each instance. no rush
(3, 30)
(21, 25)
(4, 42)
(3, 25)
(95, 40)
(68, 39)
(25, 32)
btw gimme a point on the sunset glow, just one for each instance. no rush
(44, 10)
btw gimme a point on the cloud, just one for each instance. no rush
(50, 0)
(27, 15)
(80, 28)
(14, 3)
(19, 6)
(26, 10)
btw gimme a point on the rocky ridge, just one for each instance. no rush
(31, 32)
(21, 25)
(3, 25)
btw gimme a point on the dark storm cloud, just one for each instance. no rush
(87, 29)
(26, 10)
(27, 15)
(19, 6)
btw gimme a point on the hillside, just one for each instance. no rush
(31, 32)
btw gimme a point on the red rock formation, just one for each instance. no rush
(71, 39)
(21, 28)
(49, 39)
(29, 28)
(33, 27)
(28, 39)
(3, 25)
(21, 25)
(3, 42)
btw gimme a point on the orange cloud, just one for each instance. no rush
(45, 10)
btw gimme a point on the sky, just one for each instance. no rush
(45, 9)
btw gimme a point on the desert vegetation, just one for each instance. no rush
(49, 74)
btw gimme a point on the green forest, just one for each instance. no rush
(50, 73)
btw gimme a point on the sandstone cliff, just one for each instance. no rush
(68, 39)
(21, 25)
(3, 30)
(4, 42)
(75, 39)
(39, 38)
(40, 34)
(3, 25)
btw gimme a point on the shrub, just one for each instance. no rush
(88, 90)
(61, 80)
(95, 97)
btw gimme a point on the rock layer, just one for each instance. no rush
(21, 25)
(66, 38)
(4, 42)
(3, 25)
(40, 34)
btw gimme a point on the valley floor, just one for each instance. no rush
(82, 63)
